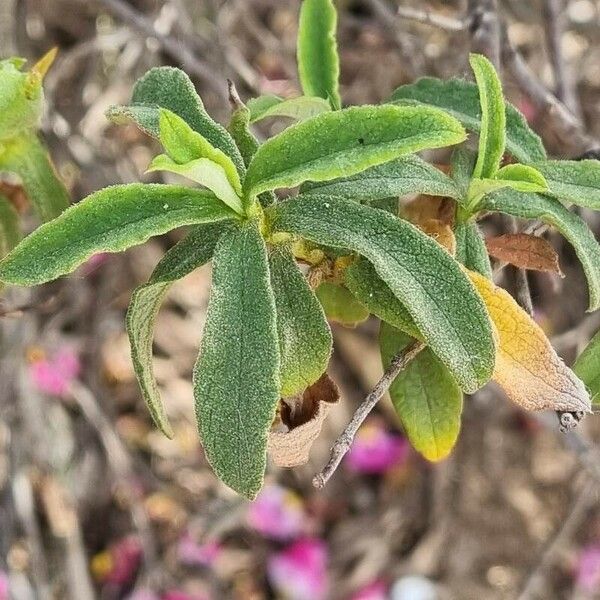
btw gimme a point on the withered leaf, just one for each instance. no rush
(425, 207)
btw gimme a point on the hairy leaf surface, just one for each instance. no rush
(574, 181)
(236, 377)
(346, 142)
(422, 275)
(524, 251)
(318, 60)
(427, 399)
(471, 250)
(299, 109)
(340, 305)
(551, 211)
(10, 231)
(305, 341)
(110, 220)
(587, 366)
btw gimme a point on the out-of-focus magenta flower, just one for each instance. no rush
(588, 568)
(300, 571)
(94, 262)
(193, 554)
(375, 449)
(277, 513)
(377, 590)
(178, 595)
(119, 564)
(3, 586)
(53, 375)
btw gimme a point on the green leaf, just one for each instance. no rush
(236, 377)
(28, 158)
(299, 109)
(10, 232)
(110, 220)
(492, 136)
(205, 172)
(462, 165)
(426, 398)
(171, 88)
(362, 280)
(522, 178)
(305, 341)
(443, 303)
(190, 253)
(471, 250)
(340, 305)
(318, 60)
(587, 368)
(460, 98)
(574, 181)
(346, 142)
(406, 175)
(551, 211)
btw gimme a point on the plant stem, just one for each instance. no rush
(344, 441)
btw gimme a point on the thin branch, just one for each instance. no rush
(344, 441)
(431, 18)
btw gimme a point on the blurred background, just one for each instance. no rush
(95, 503)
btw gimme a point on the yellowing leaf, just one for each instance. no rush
(527, 367)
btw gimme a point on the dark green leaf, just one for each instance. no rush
(574, 181)
(587, 367)
(471, 250)
(236, 378)
(340, 305)
(110, 220)
(447, 310)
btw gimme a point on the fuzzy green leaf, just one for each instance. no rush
(10, 232)
(426, 398)
(460, 98)
(346, 142)
(406, 175)
(318, 60)
(574, 181)
(462, 165)
(304, 336)
(171, 88)
(340, 305)
(471, 250)
(190, 253)
(299, 109)
(362, 280)
(110, 220)
(572, 227)
(443, 303)
(492, 136)
(28, 158)
(522, 178)
(587, 368)
(236, 377)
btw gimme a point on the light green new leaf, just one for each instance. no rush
(443, 303)
(346, 142)
(236, 377)
(171, 88)
(492, 136)
(471, 250)
(362, 280)
(340, 305)
(28, 158)
(406, 175)
(573, 181)
(587, 368)
(460, 98)
(551, 211)
(304, 336)
(318, 60)
(522, 178)
(426, 398)
(110, 220)
(10, 232)
(205, 172)
(190, 253)
(299, 109)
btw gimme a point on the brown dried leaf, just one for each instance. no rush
(441, 232)
(15, 195)
(423, 208)
(302, 416)
(525, 252)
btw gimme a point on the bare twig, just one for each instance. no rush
(344, 441)
(431, 18)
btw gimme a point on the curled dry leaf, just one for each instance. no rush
(525, 252)
(302, 417)
(441, 232)
(527, 367)
(424, 208)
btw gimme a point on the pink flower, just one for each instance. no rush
(377, 590)
(299, 572)
(277, 513)
(193, 554)
(119, 564)
(376, 450)
(178, 595)
(53, 375)
(94, 262)
(588, 568)
(3, 586)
